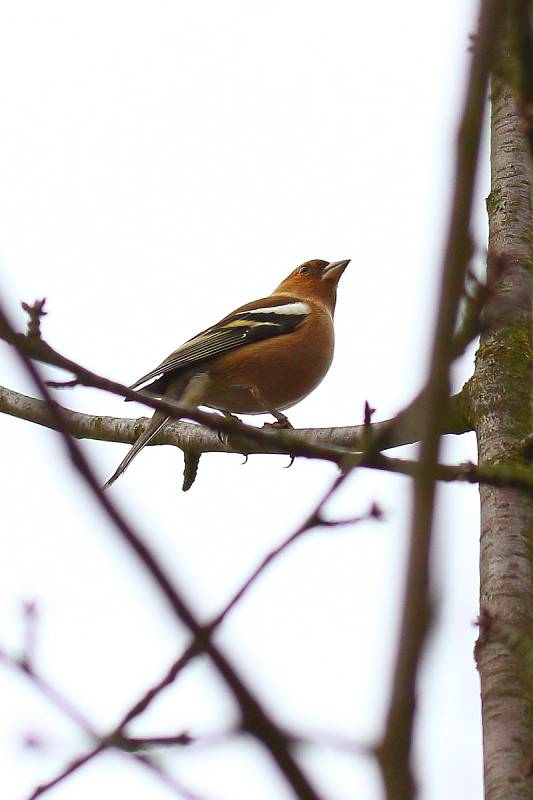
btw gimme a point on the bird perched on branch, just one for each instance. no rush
(264, 357)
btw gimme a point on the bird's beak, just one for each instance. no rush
(334, 270)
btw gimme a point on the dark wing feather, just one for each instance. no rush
(197, 350)
(235, 331)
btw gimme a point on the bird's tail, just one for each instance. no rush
(150, 432)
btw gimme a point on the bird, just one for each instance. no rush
(264, 357)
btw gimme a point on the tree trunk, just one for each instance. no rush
(501, 393)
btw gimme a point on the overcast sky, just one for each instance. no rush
(160, 164)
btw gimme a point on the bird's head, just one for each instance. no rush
(315, 280)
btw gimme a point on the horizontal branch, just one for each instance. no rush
(399, 430)
(403, 429)
(338, 445)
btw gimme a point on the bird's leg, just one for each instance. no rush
(222, 435)
(228, 415)
(281, 420)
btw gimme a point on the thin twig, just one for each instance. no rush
(29, 608)
(72, 767)
(53, 695)
(136, 743)
(169, 780)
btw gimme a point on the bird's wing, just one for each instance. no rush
(262, 319)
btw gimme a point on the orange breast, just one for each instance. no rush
(285, 369)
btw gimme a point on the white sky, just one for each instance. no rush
(160, 164)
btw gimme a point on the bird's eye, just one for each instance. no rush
(303, 270)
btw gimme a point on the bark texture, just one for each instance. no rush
(502, 402)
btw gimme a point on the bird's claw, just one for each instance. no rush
(279, 424)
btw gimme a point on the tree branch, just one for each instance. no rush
(395, 432)
(199, 439)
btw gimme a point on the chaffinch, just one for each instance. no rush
(264, 357)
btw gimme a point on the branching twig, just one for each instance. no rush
(463, 472)
(100, 744)
(314, 519)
